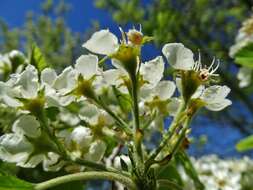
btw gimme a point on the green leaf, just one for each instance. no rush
(244, 56)
(12, 183)
(169, 172)
(52, 113)
(245, 144)
(183, 158)
(37, 59)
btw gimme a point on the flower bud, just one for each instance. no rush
(135, 37)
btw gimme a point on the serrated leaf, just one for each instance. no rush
(37, 59)
(12, 183)
(244, 56)
(183, 158)
(245, 144)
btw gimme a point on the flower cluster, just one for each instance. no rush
(217, 173)
(85, 111)
(243, 38)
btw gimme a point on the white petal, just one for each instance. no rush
(217, 106)
(14, 148)
(27, 125)
(215, 93)
(152, 71)
(102, 42)
(173, 106)
(96, 151)
(244, 76)
(52, 163)
(87, 65)
(8, 95)
(165, 89)
(113, 77)
(28, 81)
(32, 162)
(89, 113)
(80, 137)
(65, 82)
(198, 92)
(48, 76)
(178, 56)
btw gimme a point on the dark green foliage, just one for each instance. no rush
(8, 182)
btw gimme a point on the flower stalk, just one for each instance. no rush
(92, 175)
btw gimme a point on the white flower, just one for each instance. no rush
(102, 42)
(214, 97)
(152, 71)
(17, 148)
(244, 76)
(81, 143)
(162, 91)
(94, 116)
(87, 65)
(80, 138)
(96, 151)
(178, 56)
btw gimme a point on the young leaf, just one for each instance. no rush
(12, 183)
(37, 59)
(169, 172)
(245, 144)
(244, 56)
(189, 169)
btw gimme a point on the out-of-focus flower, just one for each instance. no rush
(82, 143)
(27, 146)
(218, 174)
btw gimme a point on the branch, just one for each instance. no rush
(87, 176)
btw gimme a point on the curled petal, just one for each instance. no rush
(220, 105)
(14, 148)
(48, 76)
(66, 81)
(152, 71)
(215, 93)
(28, 82)
(178, 56)
(52, 163)
(165, 89)
(102, 42)
(87, 65)
(96, 151)
(27, 125)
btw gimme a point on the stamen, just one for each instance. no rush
(211, 66)
(123, 34)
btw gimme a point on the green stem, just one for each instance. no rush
(87, 176)
(62, 151)
(44, 122)
(121, 123)
(168, 135)
(181, 136)
(137, 132)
